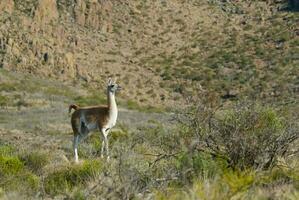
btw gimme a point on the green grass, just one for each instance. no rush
(90, 100)
(133, 105)
(8, 87)
(14, 174)
(10, 165)
(17, 81)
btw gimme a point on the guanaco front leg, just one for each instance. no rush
(105, 143)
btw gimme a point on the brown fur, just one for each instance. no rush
(94, 114)
(73, 106)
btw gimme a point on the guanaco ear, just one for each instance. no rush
(109, 81)
(115, 80)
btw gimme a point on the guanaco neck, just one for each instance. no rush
(111, 103)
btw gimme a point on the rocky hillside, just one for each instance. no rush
(159, 50)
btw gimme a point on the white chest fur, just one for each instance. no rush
(112, 118)
(113, 112)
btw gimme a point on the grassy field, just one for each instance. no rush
(240, 151)
(36, 158)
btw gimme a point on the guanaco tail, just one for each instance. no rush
(93, 118)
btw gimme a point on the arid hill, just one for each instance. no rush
(159, 50)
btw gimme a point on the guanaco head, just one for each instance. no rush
(112, 86)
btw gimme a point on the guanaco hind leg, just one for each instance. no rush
(75, 146)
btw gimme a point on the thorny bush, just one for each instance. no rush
(245, 135)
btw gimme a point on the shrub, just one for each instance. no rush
(35, 161)
(198, 164)
(24, 181)
(238, 180)
(10, 165)
(252, 137)
(13, 174)
(71, 176)
(247, 136)
(4, 101)
(118, 135)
